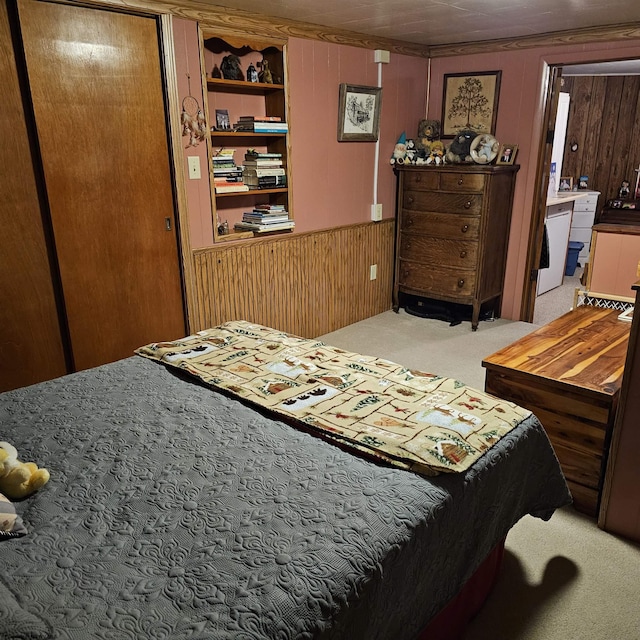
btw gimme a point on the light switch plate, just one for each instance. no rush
(194, 167)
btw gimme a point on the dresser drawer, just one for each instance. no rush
(462, 182)
(438, 251)
(583, 219)
(588, 203)
(421, 180)
(441, 225)
(435, 280)
(441, 202)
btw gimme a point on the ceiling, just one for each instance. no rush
(440, 22)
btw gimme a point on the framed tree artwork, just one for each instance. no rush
(470, 101)
(359, 113)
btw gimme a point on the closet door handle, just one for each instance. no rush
(167, 224)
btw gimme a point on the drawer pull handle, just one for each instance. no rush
(407, 246)
(410, 199)
(460, 181)
(467, 204)
(418, 178)
(409, 222)
(463, 254)
(464, 228)
(460, 283)
(406, 273)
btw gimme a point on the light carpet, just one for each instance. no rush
(561, 580)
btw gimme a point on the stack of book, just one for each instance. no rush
(261, 124)
(227, 176)
(264, 170)
(265, 218)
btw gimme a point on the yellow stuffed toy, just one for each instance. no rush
(19, 479)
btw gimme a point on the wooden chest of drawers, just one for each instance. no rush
(569, 374)
(452, 233)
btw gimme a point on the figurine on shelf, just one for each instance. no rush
(252, 73)
(215, 72)
(265, 72)
(624, 190)
(231, 69)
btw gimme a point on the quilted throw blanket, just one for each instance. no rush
(411, 419)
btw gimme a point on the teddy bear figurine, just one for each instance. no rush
(19, 479)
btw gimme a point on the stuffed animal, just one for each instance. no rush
(428, 132)
(400, 150)
(436, 155)
(460, 148)
(19, 479)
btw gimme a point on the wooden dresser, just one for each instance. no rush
(569, 374)
(452, 233)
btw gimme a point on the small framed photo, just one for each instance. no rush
(583, 183)
(222, 120)
(507, 154)
(470, 101)
(359, 113)
(566, 183)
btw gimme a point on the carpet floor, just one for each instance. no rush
(561, 580)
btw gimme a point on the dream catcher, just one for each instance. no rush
(193, 120)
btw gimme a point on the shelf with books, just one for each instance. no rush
(260, 111)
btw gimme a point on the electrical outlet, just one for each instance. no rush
(376, 212)
(194, 167)
(373, 272)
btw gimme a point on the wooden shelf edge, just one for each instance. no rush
(220, 84)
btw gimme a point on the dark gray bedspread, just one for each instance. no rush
(175, 512)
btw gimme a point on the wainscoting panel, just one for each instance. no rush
(308, 284)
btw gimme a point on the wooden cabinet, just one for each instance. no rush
(244, 98)
(452, 233)
(569, 374)
(584, 213)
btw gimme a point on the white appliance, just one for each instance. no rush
(558, 223)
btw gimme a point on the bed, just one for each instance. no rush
(181, 507)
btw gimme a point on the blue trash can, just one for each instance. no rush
(572, 257)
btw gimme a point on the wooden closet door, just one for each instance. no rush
(95, 79)
(30, 342)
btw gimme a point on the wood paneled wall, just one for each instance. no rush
(604, 118)
(308, 284)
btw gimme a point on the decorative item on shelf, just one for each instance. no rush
(265, 73)
(215, 72)
(566, 183)
(459, 150)
(624, 190)
(507, 154)
(359, 113)
(583, 183)
(192, 118)
(252, 73)
(222, 120)
(230, 67)
(470, 101)
(484, 148)
(223, 228)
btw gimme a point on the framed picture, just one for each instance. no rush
(583, 183)
(507, 154)
(566, 183)
(470, 101)
(359, 113)
(222, 120)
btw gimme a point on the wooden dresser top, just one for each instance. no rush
(584, 348)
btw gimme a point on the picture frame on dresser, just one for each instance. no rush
(470, 101)
(359, 113)
(507, 155)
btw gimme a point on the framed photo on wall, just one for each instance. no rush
(470, 101)
(359, 113)
(507, 154)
